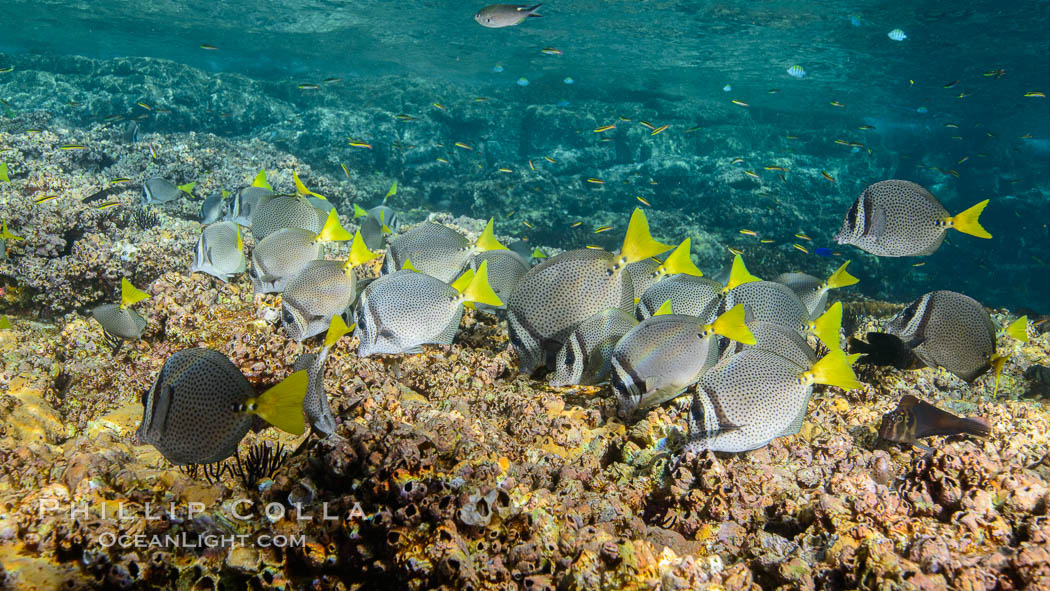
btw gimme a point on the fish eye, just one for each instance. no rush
(570, 359)
(287, 317)
(609, 272)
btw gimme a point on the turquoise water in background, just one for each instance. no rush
(663, 62)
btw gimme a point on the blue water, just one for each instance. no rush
(661, 62)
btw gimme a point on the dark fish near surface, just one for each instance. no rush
(496, 16)
(914, 419)
(950, 330)
(898, 218)
(201, 406)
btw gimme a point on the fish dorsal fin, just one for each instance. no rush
(478, 289)
(665, 308)
(390, 192)
(487, 241)
(538, 254)
(332, 231)
(240, 241)
(282, 405)
(6, 234)
(828, 325)
(358, 212)
(188, 188)
(301, 189)
(968, 221)
(5, 323)
(731, 324)
(260, 180)
(638, 243)
(833, 369)
(739, 274)
(3, 173)
(1018, 329)
(841, 278)
(359, 253)
(679, 261)
(336, 330)
(130, 295)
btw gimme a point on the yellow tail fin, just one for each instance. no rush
(487, 240)
(260, 180)
(680, 262)
(358, 212)
(833, 369)
(841, 278)
(639, 244)
(998, 361)
(828, 325)
(461, 282)
(359, 253)
(282, 405)
(382, 222)
(852, 359)
(336, 330)
(1018, 329)
(6, 234)
(479, 290)
(3, 173)
(188, 188)
(301, 188)
(332, 231)
(240, 241)
(5, 324)
(390, 192)
(538, 254)
(130, 295)
(739, 274)
(967, 222)
(665, 308)
(731, 325)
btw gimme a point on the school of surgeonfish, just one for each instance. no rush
(642, 319)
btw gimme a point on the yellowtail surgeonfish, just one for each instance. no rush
(506, 268)
(564, 290)
(315, 403)
(249, 199)
(322, 290)
(437, 250)
(201, 406)
(119, 322)
(813, 292)
(898, 218)
(400, 312)
(586, 356)
(280, 256)
(220, 251)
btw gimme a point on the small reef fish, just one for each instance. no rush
(220, 251)
(659, 130)
(496, 16)
(813, 292)
(45, 199)
(911, 221)
(280, 256)
(914, 419)
(315, 402)
(740, 103)
(201, 406)
(437, 250)
(208, 47)
(897, 35)
(119, 322)
(796, 71)
(604, 128)
(1034, 94)
(550, 51)
(586, 357)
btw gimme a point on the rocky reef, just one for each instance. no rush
(448, 469)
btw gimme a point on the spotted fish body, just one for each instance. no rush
(286, 211)
(372, 226)
(244, 205)
(318, 292)
(315, 403)
(897, 218)
(689, 295)
(125, 324)
(658, 359)
(949, 330)
(644, 274)
(158, 190)
(434, 249)
(783, 341)
(280, 256)
(767, 301)
(557, 295)
(585, 357)
(505, 267)
(213, 209)
(400, 312)
(809, 289)
(219, 251)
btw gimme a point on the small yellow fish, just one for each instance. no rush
(596, 181)
(842, 142)
(209, 47)
(963, 94)
(575, 224)
(604, 128)
(356, 144)
(333, 80)
(120, 180)
(7, 69)
(439, 106)
(73, 147)
(780, 168)
(549, 159)
(952, 125)
(802, 236)
(800, 248)
(1034, 94)
(740, 103)
(752, 174)
(866, 127)
(692, 129)
(791, 137)
(660, 130)
(405, 117)
(735, 251)
(737, 161)
(963, 159)
(622, 118)
(464, 146)
(507, 170)
(527, 224)
(531, 165)
(827, 176)
(749, 232)
(440, 159)
(767, 241)
(308, 86)
(153, 151)
(647, 125)
(601, 229)
(108, 205)
(114, 118)
(919, 264)
(837, 104)
(643, 201)
(951, 84)
(346, 171)
(550, 51)
(45, 199)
